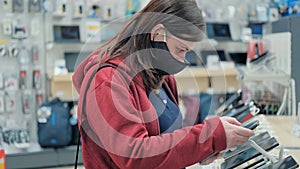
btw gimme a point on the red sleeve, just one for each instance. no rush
(114, 115)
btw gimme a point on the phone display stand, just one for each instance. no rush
(271, 162)
(259, 155)
(234, 107)
(260, 150)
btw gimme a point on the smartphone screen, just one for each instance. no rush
(288, 162)
(249, 154)
(251, 125)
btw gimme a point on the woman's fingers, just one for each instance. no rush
(235, 134)
(232, 121)
(244, 131)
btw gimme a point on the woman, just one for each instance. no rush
(131, 118)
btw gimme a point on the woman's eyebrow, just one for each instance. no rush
(182, 45)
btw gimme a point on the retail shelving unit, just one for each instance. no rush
(194, 80)
(44, 158)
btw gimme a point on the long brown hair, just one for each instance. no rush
(182, 18)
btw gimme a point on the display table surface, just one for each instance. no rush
(282, 126)
(296, 155)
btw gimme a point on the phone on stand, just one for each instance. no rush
(256, 138)
(249, 154)
(210, 156)
(255, 164)
(251, 124)
(236, 111)
(234, 98)
(288, 162)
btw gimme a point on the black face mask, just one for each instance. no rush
(163, 62)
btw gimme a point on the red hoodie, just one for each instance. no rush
(123, 130)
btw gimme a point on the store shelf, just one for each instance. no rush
(191, 79)
(204, 72)
(73, 46)
(45, 158)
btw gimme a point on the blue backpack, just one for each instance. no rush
(54, 128)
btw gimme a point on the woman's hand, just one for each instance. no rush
(235, 134)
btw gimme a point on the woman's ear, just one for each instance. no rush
(157, 32)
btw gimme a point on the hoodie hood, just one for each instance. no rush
(91, 63)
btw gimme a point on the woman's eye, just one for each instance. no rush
(180, 50)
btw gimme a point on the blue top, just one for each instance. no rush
(169, 115)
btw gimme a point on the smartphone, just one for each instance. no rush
(210, 156)
(234, 98)
(249, 154)
(262, 165)
(257, 138)
(251, 124)
(288, 162)
(237, 111)
(260, 58)
(245, 116)
(255, 164)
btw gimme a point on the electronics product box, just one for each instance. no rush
(62, 87)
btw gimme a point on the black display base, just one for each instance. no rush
(45, 158)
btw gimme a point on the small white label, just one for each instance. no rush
(7, 27)
(1, 81)
(2, 110)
